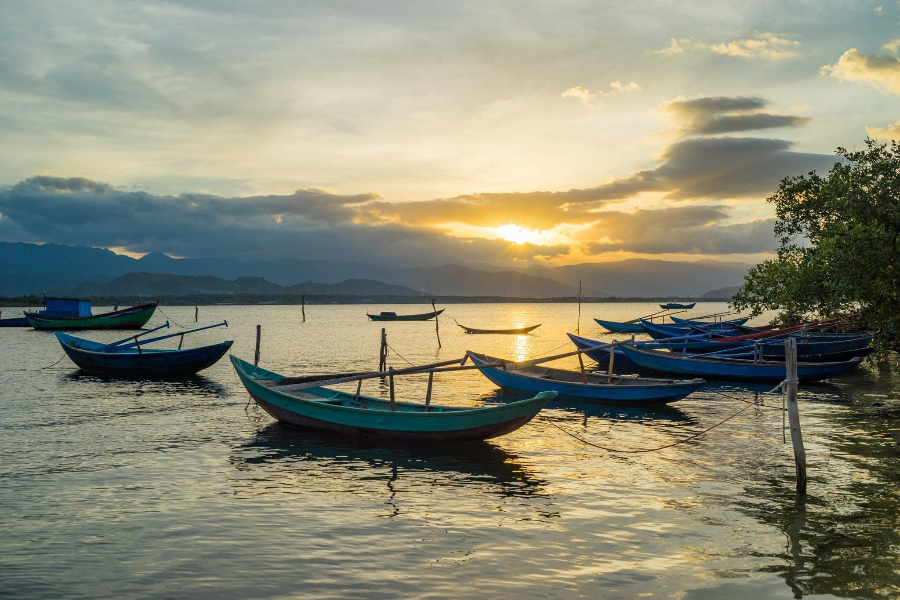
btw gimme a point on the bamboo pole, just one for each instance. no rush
(612, 360)
(196, 313)
(391, 380)
(303, 307)
(428, 393)
(258, 337)
(436, 329)
(790, 355)
(578, 325)
(581, 364)
(382, 352)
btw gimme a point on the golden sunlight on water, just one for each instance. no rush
(117, 488)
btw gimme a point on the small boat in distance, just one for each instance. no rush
(133, 317)
(677, 305)
(594, 386)
(310, 406)
(392, 316)
(54, 307)
(513, 331)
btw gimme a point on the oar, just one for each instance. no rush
(171, 335)
(131, 337)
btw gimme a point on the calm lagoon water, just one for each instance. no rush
(123, 489)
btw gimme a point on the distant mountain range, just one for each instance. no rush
(32, 268)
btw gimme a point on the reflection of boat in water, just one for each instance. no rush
(197, 385)
(284, 448)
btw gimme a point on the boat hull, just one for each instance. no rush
(410, 423)
(420, 317)
(133, 317)
(677, 306)
(14, 322)
(146, 364)
(650, 393)
(516, 331)
(617, 327)
(621, 364)
(743, 370)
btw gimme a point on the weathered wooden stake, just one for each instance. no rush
(581, 363)
(436, 330)
(578, 325)
(303, 307)
(258, 337)
(358, 388)
(391, 380)
(382, 353)
(790, 355)
(196, 313)
(180, 341)
(612, 359)
(428, 393)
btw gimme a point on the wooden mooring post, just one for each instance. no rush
(382, 353)
(578, 324)
(437, 331)
(303, 307)
(196, 313)
(391, 380)
(612, 360)
(258, 337)
(790, 390)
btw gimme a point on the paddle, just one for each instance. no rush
(165, 337)
(131, 337)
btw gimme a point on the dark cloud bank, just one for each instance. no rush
(314, 223)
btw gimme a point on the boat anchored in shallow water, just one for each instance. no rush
(133, 317)
(392, 316)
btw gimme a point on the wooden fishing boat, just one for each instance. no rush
(621, 363)
(677, 305)
(616, 389)
(322, 408)
(14, 322)
(131, 358)
(620, 326)
(392, 316)
(741, 369)
(133, 317)
(658, 331)
(513, 331)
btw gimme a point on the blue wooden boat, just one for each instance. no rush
(658, 331)
(392, 316)
(620, 326)
(741, 369)
(130, 357)
(677, 305)
(312, 406)
(14, 322)
(621, 364)
(616, 389)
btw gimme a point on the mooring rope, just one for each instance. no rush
(53, 365)
(398, 354)
(170, 319)
(683, 440)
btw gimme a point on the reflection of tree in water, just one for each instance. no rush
(278, 448)
(844, 539)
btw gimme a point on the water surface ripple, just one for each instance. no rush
(135, 489)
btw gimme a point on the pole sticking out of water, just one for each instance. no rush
(258, 337)
(196, 313)
(790, 355)
(578, 326)
(436, 330)
(382, 353)
(303, 307)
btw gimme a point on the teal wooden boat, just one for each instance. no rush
(392, 316)
(133, 317)
(308, 405)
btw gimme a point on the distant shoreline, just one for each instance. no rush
(291, 299)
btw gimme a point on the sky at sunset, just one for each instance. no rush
(421, 133)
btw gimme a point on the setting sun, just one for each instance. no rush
(519, 235)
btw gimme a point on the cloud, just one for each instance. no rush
(891, 132)
(721, 114)
(581, 93)
(717, 168)
(892, 46)
(761, 45)
(310, 223)
(615, 88)
(879, 71)
(685, 230)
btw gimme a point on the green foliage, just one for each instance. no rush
(838, 243)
